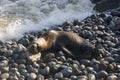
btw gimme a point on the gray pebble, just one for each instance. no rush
(85, 62)
(66, 71)
(4, 69)
(45, 71)
(91, 77)
(58, 75)
(83, 77)
(32, 76)
(102, 74)
(24, 72)
(109, 59)
(40, 77)
(21, 66)
(20, 48)
(4, 76)
(3, 63)
(112, 77)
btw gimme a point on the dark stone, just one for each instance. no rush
(104, 5)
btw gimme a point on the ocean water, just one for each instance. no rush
(20, 16)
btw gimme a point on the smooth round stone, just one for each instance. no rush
(32, 76)
(110, 67)
(60, 53)
(3, 50)
(21, 66)
(4, 76)
(48, 57)
(23, 72)
(54, 68)
(8, 53)
(95, 27)
(22, 77)
(3, 63)
(102, 74)
(82, 67)
(76, 71)
(85, 62)
(40, 77)
(67, 71)
(101, 27)
(91, 77)
(21, 61)
(15, 56)
(89, 69)
(109, 43)
(112, 77)
(20, 48)
(17, 74)
(62, 58)
(33, 57)
(34, 70)
(58, 75)
(73, 77)
(13, 70)
(45, 71)
(13, 77)
(36, 65)
(24, 42)
(109, 59)
(4, 69)
(83, 77)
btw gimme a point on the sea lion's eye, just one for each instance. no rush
(39, 47)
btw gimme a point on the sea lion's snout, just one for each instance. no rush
(33, 48)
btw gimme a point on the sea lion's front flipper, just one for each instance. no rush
(67, 52)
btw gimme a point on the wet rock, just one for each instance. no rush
(24, 72)
(109, 59)
(62, 58)
(73, 77)
(4, 69)
(83, 77)
(112, 77)
(102, 74)
(24, 41)
(85, 62)
(32, 76)
(109, 43)
(45, 71)
(21, 66)
(66, 71)
(4, 76)
(48, 57)
(13, 77)
(82, 67)
(40, 77)
(3, 63)
(8, 53)
(21, 61)
(33, 57)
(20, 48)
(58, 75)
(91, 77)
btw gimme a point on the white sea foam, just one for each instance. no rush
(32, 15)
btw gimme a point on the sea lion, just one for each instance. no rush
(70, 43)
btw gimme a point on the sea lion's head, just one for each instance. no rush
(43, 43)
(37, 46)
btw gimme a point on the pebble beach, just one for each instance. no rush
(100, 29)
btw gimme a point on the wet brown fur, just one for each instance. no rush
(70, 43)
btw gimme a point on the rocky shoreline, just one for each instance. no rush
(101, 29)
